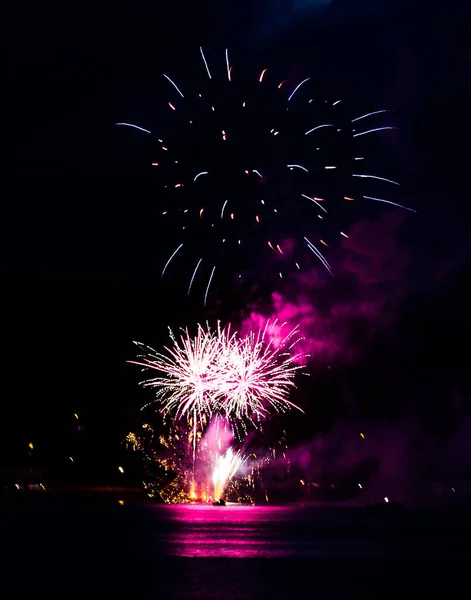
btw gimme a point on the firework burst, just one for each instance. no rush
(219, 372)
(246, 165)
(257, 376)
(190, 372)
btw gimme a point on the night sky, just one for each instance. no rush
(82, 250)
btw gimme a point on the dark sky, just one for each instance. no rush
(78, 260)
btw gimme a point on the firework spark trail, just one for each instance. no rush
(315, 251)
(209, 285)
(376, 112)
(174, 85)
(375, 177)
(193, 276)
(372, 130)
(223, 207)
(298, 167)
(227, 65)
(318, 127)
(389, 202)
(134, 127)
(199, 174)
(170, 259)
(205, 63)
(315, 202)
(297, 88)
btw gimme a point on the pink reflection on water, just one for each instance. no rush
(235, 531)
(231, 513)
(238, 531)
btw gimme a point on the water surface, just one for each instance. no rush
(240, 552)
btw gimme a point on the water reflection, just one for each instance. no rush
(252, 532)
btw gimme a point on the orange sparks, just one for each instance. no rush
(179, 185)
(322, 242)
(348, 198)
(279, 249)
(257, 218)
(155, 164)
(362, 435)
(171, 106)
(201, 212)
(269, 243)
(319, 199)
(261, 75)
(279, 85)
(164, 148)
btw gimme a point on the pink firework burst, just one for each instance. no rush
(219, 372)
(258, 375)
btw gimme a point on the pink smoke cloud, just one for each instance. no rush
(337, 316)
